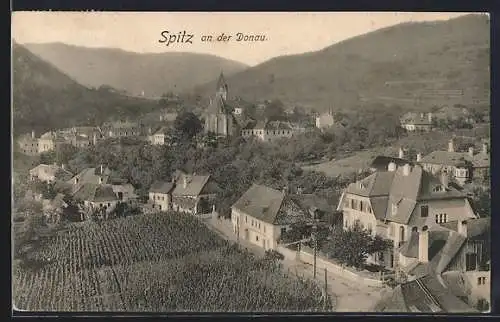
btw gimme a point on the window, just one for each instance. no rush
(259, 225)
(481, 280)
(441, 218)
(109, 204)
(352, 203)
(159, 206)
(246, 219)
(256, 238)
(414, 229)
(370, 209)
(369, 227)
(401, 233)
(424, 211)
(283, 230)
(361, 208)
(264, 228)
(437, 219)
(470, 261)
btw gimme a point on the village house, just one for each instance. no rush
(219, 118)
(50, 173)
(325, 120)
(160, 196)
(100, 188)
(83, 136)
(381, 162)
(262, 214)
(460, 166)
(194, 194)
(49, 141)
(160, 137)
(269, 131)
(401, 200)
(28, 144)
(121, 129)
(412, 121)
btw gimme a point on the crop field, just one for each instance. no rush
(160, 262)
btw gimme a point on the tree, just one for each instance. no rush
(187, 125)
(361, 244)
(274, 111)
(481, 201)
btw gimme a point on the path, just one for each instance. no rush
(348, 296)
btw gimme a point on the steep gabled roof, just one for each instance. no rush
(446, 158)
(261, 202)
(194, 186)
(162, 187)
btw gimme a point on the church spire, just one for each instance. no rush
(222, 88)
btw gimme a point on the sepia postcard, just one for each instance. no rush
(251, 162)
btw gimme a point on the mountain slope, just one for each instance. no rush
(154, 74)
(45, 98)
(428, 60)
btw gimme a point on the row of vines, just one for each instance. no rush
(160, 262)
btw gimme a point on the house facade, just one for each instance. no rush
(269, 131)
(160, 196)
(28, 144)
(417, 121)
(399, 201)
(460, 167)
(263, 214)
(121, 129)
(159, 137)
(325, 120)
(193, 194)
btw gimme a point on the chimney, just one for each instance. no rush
(63, 166)
(451, 146)
(32, 134)
(429, 117)
(471, 151)
(185, 182)
(444, 179)
(391, 167)
(161, 118)
(406, 169)
(419, 157)
(100, 180)
(102, 169)
(462, 228)
(485, 148)
(76, 181)
(95, 139)
(401, 153)
(423, 245)
(150, 131)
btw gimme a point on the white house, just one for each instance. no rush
(262, 214)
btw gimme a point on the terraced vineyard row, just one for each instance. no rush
(152, 263)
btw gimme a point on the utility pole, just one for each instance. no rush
(315, 239)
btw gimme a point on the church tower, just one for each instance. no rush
(222, 88)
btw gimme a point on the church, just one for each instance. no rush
(220, 119)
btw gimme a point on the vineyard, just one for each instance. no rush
(152, 263)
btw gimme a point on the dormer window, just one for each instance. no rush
(438, 189)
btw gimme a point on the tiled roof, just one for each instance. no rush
(387, 188)
(475, 227)
(95, 192)
(312, 201)
(195, 185)
(92, 175)
(427, 294)
(381, 162)
(446, 158)
(162, 130)
(53, 170)
(481, 160)
(261, 202)
(269, 205)
(162, 187)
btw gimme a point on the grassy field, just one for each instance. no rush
(162, 262)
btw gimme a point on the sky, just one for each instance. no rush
(285, 33)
